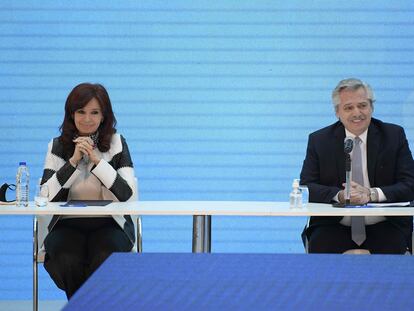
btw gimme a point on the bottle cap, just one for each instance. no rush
(22, 163)
(295, 183)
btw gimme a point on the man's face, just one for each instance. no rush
(354, 110)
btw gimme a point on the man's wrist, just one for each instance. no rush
(341, 196)
(373, 195)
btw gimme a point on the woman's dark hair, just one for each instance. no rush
(78, 98)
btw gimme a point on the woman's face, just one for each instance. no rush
(88, 118)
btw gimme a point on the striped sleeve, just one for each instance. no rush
(117, 175)
(58, 173)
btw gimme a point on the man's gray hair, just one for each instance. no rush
(351, 84)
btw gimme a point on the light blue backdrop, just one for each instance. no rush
(215, 98)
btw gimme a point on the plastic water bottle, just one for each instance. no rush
(295, 197)
(22, 185)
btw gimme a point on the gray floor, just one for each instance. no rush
(27, 305)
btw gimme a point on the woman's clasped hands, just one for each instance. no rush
(84, 146)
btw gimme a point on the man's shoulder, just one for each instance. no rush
(328, 130)
(376, 124)
(386, 127)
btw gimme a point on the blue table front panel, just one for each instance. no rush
(249, 282)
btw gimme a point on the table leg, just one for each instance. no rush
(202, 234)
(35, 271)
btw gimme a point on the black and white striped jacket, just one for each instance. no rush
(113, 177)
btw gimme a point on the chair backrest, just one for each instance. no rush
(136, 220)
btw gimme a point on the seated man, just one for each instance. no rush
(382, 171)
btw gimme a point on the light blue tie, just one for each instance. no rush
(357, 222)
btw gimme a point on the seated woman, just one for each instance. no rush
(88, 161)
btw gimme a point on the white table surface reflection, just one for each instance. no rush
(205, 208)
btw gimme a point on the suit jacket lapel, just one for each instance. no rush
(339, 134)
(373, 147)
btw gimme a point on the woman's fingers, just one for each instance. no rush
(85, 146)
(85, 139)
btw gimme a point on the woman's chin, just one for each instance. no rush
(87, 133)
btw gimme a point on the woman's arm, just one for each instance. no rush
(117, 175)
(58, 173)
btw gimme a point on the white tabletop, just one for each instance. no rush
(230, 208)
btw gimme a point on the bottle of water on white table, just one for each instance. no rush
(295, 197)
(22, 185)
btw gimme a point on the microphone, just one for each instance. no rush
(348, 144)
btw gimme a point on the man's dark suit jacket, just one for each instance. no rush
(390, 167)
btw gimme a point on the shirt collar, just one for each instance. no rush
(363, 136)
